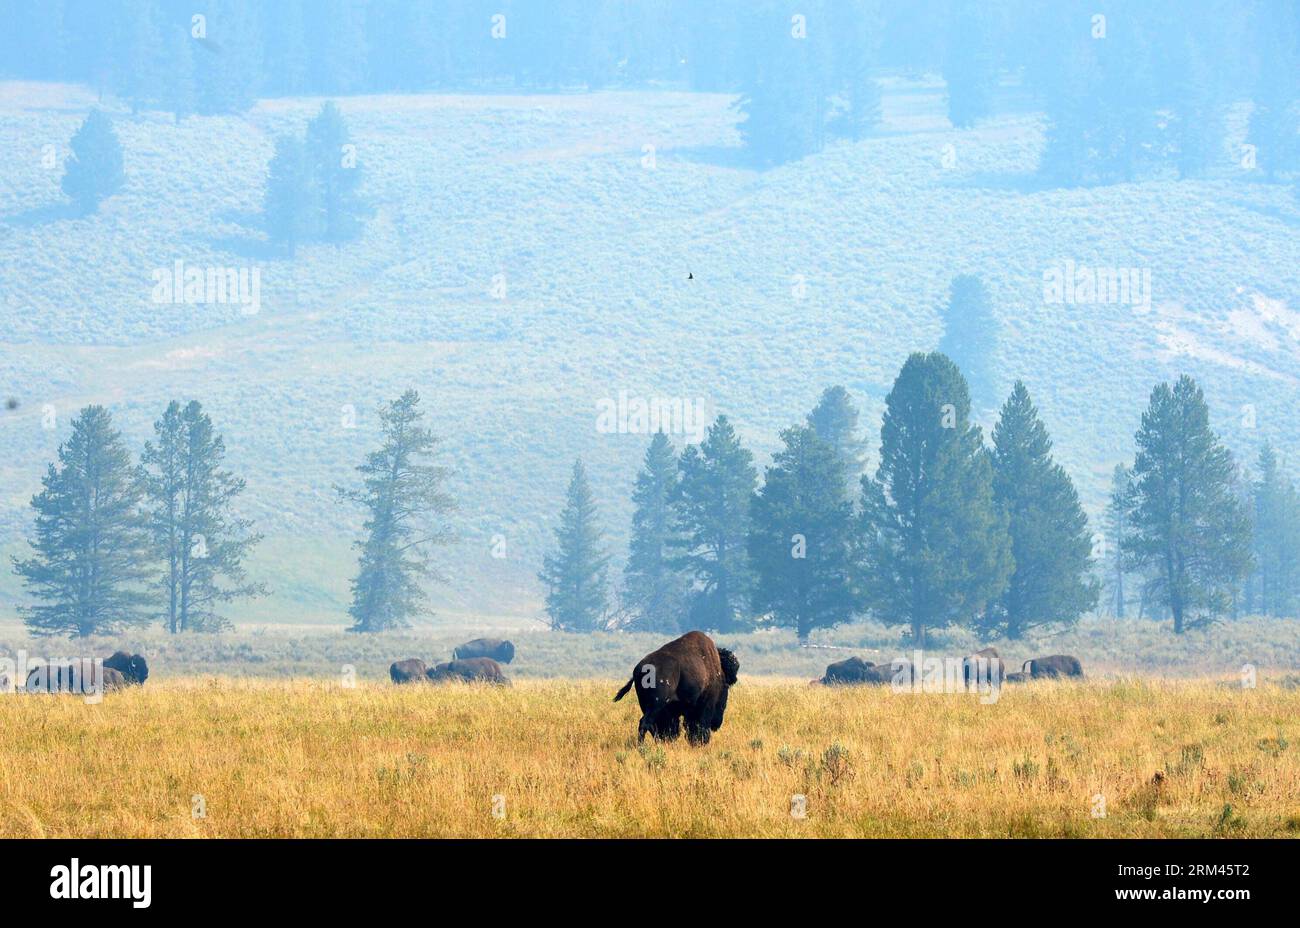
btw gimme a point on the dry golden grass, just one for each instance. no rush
(314, 759)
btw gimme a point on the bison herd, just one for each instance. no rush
(983, 668)
(79, 677)
(477, 661)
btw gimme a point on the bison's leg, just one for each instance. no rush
(668, 724)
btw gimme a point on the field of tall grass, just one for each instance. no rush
(228, 757)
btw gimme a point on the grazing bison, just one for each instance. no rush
(79, 677)
(686, 678)
(1055, 665)
(473, 670)
(411, 670)
(498, 649)
(1016, 677)
(984, 667)
(131, 666)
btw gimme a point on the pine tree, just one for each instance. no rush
(1187, 526)
(177, 94)
(1117, 529)
(138, 78)
(800, 543)
(856, 31)
(654, 590)
(713, 507)
(334, 174)
(91, 556)
(228, 65)
(970, 337)
(1050, 545)
(1276, 538)
(970, 69)
(933, 544)
(291, 205)
(783, 99)
(575, 576)
(94, 169)
(835, 420)
(406, 506)
(200, 542)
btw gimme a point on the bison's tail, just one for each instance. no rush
(623, 692)
(1024, 668)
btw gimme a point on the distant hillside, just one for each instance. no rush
(595, 248)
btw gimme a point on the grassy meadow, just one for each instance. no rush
(263, 758)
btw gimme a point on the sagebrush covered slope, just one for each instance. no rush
(557, 195)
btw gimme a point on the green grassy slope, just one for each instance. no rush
(595, 249)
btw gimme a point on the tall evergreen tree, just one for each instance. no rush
(1117, 530)
(714, 498)
(933, 544)
(576, 575)
(1050, 545)
(91, 557)
(800, 543)
(291, 205)
(94, 170)
(199, 540)
(177, 94)
(835, 420)
(228, 65)
(1276, 539)
(334, 174)
(970, 69)
(1188, 528)
(970, 337)
(406, 509)
(654, 590)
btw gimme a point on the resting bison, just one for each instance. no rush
(79, 678)
(1016, 677)
(1056, 665)
(131, 666)
(854, 670)
(984, 667)
(686, 678)
(473, 670)
(498, 649)
(411, 670)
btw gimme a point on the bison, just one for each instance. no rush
(79, 677)
(473, 670)
(984, 667)
(132, 667)
(1016, 677)
(411, 670)
(688, 678)
(498, 649)
(854, 670)
(1055, 665)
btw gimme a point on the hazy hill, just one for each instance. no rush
(595, 247)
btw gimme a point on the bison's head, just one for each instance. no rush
(730, 666)
(139, 670)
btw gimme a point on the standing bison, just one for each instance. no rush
(132, 667)
(497, 649)
(686, 678)
(81, 677)
(1055, 665)
(473, 670)
(983, 668)
(411, 670)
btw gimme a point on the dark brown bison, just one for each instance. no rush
(498, 649)
(80, 677)
(411, 670)
(132, 667)
(854, 670)
(686, 678)
(473, 670)
(1055, 665)
(1016, 677)
(984, 667)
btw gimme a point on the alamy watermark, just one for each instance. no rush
(1078, 284)
(239, 286)
(642, 415)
